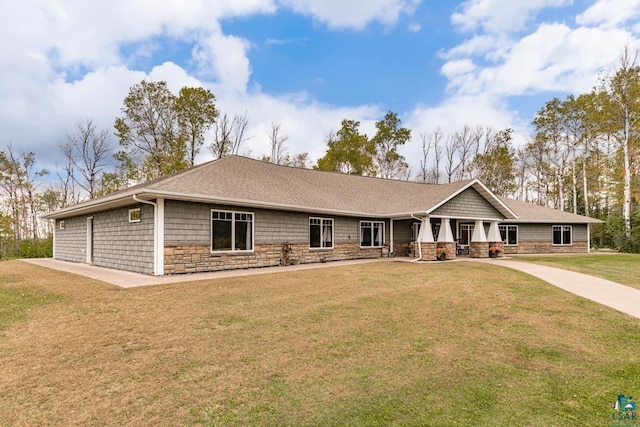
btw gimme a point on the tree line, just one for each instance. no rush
(582, 156)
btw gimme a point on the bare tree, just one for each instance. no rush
(467, 143)
(424, 166)
(277, 139)
(222, 144)
(451, 156)
(239, 126)
(87, 151)
(228, 135)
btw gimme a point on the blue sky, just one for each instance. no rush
(305, 64)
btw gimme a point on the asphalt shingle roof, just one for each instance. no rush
(253, 182)
(235, 177)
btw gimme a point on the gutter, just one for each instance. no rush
(135, 197)
(158, 234)
(419, 240)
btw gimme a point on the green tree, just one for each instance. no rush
(151, 141)
(349, 151)
(495, 168)
(620, 119)
(389, 136)
(196, 111)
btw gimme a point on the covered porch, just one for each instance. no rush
(440, 238)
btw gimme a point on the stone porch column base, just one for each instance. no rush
(479, 249)
(428, 251)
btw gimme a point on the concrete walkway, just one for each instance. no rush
(619, 297)
(126, 279)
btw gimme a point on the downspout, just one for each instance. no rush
(419, 239)
(156, 243)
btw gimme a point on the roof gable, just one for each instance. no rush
(468, 204)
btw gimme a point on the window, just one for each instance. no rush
(231, 231)
(135, 215)
(561, 234)
(62, 225)
(371, 234)
(321, 233)
(509, 234)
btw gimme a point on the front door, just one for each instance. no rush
(466, 231)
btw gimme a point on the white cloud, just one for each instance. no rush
(500, 16)
(355, 14)
(225, 59)
(610, 13)
(553, 58)
(455, 68)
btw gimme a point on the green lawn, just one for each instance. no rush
(619, 268)
(437, 344)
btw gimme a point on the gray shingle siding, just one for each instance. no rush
(191, 222)
(543, 232)
(469, 203)
(71, 243)
(117, 243)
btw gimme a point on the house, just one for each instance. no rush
(237, 212)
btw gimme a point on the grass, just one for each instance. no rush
(17, 302)
(619, 268)
(442, 344)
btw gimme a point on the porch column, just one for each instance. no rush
(496, 247)
(445, 238)
(426, 233)
(391, 237)
(425, 240)
(445, 235)
(494, 233)
(478, 247)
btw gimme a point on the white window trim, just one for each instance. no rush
(333, 234)
(383, 234)
(131, 211)
(62, 225)
(506, 227)
(562, 227)
(233, 232)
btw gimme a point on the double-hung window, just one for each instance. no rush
(320, 233)
(561, 234)
(371, 234)
(231, 231)
(509, 234)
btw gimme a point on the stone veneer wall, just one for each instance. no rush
(540, 247)
(428, 251)
(197, 257)
(479, 249)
